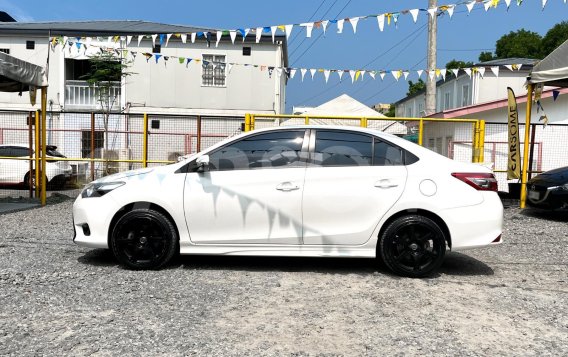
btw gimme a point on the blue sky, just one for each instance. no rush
(463, 37)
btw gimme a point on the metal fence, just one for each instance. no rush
(96, 145)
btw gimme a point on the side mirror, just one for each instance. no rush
(202, 163)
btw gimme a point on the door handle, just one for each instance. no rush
(287, 186)
(385, 184)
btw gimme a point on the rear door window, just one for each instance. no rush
(339, 148)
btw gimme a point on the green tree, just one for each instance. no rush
(455, 64)
(554, 38)
(486, 56)
(415, 87)
(522, 44)
(106, 72)
(391, 113)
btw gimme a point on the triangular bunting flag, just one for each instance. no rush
(405, 73)
(128, 39)
(352, 74)
(309, 26)
(293, 72)
(510, 67)
(468, 71)
(340, 73)
(396, 74)
(273, 32)
(326, 74)
(324, 24)
(420, 71)
(303, 71)
(181, 60)
(247, 30)
(354, 21)
(157, 57)
(313, 72)
(193, 36)
(469, 6)
(183, 37)
(382, 75)
(140, 37)
(372, 74)
(414, 13)
(147, 55)
(168, 36)
(229, 68)
(154, 40)
(288, 30)
(495, 70)
(340, 25)
(443, 73)
(381, 22)
(487, 4)
(258, 34)
(508, 2)
(279, 72)
(555, 94)
(219, 35)
(432, 12)
(455, 71)
(431, 74)
(450, 10)
(544, 3)
(481, 71)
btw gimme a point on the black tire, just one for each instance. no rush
(144, 239)
(33, 183)
(413, 246)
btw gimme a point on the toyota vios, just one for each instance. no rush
(311, 191)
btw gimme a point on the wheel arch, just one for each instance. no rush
(422, 212)
(142, 204)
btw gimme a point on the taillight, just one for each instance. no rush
(479, 181)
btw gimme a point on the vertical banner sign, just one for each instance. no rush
(514, 162)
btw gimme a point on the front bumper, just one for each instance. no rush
(96, 214)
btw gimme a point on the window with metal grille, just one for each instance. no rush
(30, 45)
(213, 71)
(99, 138)
(5, 50)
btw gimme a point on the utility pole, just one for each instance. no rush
(431, 83)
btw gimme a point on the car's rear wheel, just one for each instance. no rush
(144, 239)
(413, 246)
(31, 181)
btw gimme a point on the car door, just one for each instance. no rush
(251, 192)
(13, 170)
(352, 180)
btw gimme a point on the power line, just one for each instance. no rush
(310, 19)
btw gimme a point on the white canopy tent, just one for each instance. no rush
(551, 71)
(345, 106)
(17, 75)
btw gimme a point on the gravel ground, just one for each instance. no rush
(60, 299)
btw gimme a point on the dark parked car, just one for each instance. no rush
(549, 189)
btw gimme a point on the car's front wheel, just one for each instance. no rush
(144, 239)
(413, 246)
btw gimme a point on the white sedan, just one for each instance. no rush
(311, 191)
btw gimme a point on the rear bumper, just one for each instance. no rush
(476, 226)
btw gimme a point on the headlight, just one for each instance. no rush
(100, 189)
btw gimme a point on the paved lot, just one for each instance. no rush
(60, 299)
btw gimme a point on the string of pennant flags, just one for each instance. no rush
(289, 72)
(382, 20)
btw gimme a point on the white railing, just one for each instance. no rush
(79, 94)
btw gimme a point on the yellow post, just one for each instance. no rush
(145, 142)
(252, 120)
(481, 141)
(526, 146)
(420, 131)
(475, 143)
(36, 153)
(364, 122)
(43, 146)
(247, 122)
(306, 120)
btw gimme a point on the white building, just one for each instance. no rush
(485, 97)
(189, 73)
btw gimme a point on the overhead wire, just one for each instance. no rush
(304, 39)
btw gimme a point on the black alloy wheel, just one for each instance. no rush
(144, 239)
(413, 246)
